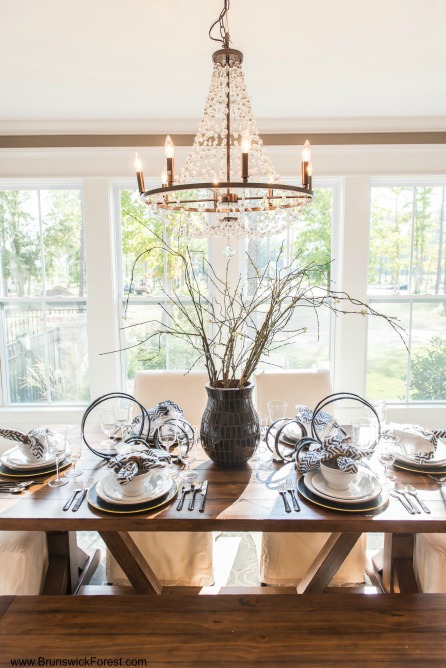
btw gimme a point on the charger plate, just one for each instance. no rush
(439, 470)
(32, 473)
(95, 501)
(343, 506)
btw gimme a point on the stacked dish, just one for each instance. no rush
(109, 495)
(364, 493)
(410, 462)
(15, 464)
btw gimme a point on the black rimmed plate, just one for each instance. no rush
(420, 468)
(96, 502)
(32, 473)
(344, 506)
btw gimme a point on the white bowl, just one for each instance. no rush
(146, 482)
(337, 479)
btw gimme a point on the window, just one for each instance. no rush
(311, 239)
(407, 279)
(146, 278)
(42, 297)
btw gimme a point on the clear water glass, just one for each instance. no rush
(276, 410)
(189, 455)
(167, 437)
(75, 452)
(364, 432)
(387, 448)
(108, 425)
(58, 448)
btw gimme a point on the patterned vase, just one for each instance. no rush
(230, 429)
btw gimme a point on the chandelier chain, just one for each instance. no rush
(224, 29)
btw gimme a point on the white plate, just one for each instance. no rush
(368, 488)
(15, 460)
(292, 431)
(439, 458)
(108, 489)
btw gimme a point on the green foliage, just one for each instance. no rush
(428, 372)
(313, 242)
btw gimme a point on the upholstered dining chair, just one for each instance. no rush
(177, 558)
(285, 557)
(23, 562)
(430, 562)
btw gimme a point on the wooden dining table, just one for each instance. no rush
(240, 500)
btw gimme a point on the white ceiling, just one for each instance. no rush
(134, 64)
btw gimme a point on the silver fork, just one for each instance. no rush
(184, 490)
(72, 497)
(195, 487)
(282, 491)
(290, 488)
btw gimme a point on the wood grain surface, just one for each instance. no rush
(242, 500)
(315, 630)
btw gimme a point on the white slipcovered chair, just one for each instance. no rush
(177, 558)
(430, 562)
(285, 557)
(23, 562)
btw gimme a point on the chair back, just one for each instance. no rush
(186, 390)
(304, 386)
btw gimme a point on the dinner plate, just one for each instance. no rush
(439, 458)
(415, 468)
(32, 473)
(109, 490)
(367, 488)
(343, 506)
(95, 501)
(16, 460)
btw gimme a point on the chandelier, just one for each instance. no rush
(228, 185)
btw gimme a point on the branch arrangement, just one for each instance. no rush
(233, 328)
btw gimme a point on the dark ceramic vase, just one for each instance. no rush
(230, 429)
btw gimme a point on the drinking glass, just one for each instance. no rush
(58, 447)
(364, 432)
(380, 408)
(387, 454)
(75, 445)
(189, 455)
(122, 420)
(276, 410)
(167, 437)
(108, 425)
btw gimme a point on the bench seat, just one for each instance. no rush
(245, 630)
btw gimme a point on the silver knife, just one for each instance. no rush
(203, 491)
(78, 503)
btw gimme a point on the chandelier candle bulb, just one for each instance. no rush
(306, 156)
(169, 149)
(139, 173)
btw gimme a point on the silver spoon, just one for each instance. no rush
(401, 489)
(411, 490)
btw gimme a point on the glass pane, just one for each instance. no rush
(20, 257)
(428, 271)
(386, 354)
(46, 359)
(139, 234)
(164, 353)
(310, 239)
(407, 241)
(63, 243)
(428, 353)
(390, 240)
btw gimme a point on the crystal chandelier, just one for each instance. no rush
(228, 185)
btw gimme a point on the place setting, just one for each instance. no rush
(138, 482)
(41, 452)
(419, 450)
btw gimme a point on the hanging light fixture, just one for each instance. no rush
(228, 185)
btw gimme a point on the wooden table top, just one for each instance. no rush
(242, 500)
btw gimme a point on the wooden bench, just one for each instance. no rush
(247, 630)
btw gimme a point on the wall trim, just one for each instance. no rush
(155, 140)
